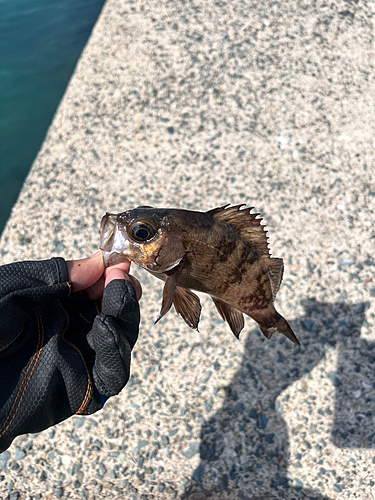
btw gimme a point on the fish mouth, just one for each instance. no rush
(113, 243)
(112, 258)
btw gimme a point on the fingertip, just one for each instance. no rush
(117, 273)
(113, 273)
(124, 266)
(137, 286)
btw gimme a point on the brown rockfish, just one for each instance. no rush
(223, 252)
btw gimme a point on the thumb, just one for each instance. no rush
(85, 272)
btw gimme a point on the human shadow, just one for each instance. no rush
(244, 449)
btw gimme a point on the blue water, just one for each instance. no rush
(40, 43)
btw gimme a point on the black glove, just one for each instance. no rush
(59, 355)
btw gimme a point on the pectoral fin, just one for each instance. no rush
(168, 295)
(188, 305)
(233, 317)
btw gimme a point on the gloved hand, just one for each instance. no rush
(59, 354)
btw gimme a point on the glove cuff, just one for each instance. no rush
(62, 269)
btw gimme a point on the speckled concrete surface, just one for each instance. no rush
(193, 105)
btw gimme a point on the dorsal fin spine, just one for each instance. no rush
(247, 223)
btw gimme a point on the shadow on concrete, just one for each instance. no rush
(245, 447)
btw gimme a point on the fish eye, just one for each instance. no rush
(142, 231)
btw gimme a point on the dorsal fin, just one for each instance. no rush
(246, 222)
(275, 273)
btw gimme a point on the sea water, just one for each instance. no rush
(40, 43)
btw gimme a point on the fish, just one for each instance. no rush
(223, 252)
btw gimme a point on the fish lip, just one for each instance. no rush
(114, 244)
(112, 258)
(108, 227)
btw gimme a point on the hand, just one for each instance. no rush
(66, 334)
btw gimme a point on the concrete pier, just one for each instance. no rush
(193, 105)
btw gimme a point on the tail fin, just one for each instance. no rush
(281, 325)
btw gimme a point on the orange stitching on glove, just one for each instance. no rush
(32, 364)
(87, 320)
(11, 342)
(88, 390)
(96, 307)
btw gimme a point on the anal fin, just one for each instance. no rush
(188, 305)
(169, 291)
(233, 317)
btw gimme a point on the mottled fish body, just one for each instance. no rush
(223, 253)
